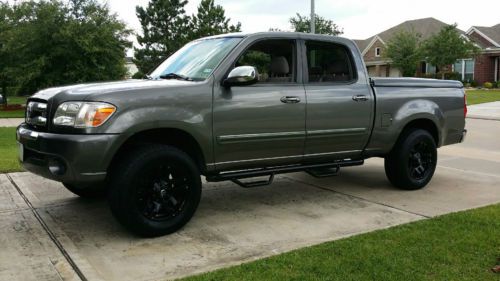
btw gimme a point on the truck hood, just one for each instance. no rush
(81, 91)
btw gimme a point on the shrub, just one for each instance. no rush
(138, 75)
(488, 85)
(452, 76)
(473, 83)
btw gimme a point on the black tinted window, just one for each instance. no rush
(328, 62)
(274, 60)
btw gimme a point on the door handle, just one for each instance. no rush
(359, 98)
(290, 99)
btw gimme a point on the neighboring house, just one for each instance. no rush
(131, 67)
(373, 48)
(486, 66)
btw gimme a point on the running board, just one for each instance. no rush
(235, 176)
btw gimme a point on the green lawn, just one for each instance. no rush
(12, 114)
(16, 113)
(8, 151)
(482, 96)
(16, 100)
(460, 246)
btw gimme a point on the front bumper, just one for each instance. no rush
(63, 157)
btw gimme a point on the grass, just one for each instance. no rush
(12, 114)
(459, 246)
(15, 113)
(482, 96)
(8, 151)
(16, 100)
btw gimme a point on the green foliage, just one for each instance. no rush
(323, 26)
(405, 52)
(52, 43)
(138, 75)
(211, 20)
(257, 59)
(445, 47)
(166, 28)
(488, 85)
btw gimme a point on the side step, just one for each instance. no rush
(236, 176)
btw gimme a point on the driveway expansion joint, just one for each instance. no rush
(359, 198)
(49, 232)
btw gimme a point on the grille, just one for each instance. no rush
(36, 114)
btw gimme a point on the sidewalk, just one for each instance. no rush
(488, 111)
(10, 122)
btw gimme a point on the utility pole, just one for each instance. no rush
(313, 18)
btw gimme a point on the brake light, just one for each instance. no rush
(465, 105)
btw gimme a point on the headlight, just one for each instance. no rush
(83, 114)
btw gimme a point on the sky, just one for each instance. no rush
(360, 19)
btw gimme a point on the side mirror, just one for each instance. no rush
(241, 76)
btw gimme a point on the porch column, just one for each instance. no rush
(377, 70)
(496, 69)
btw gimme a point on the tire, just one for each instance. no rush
(155, 190)
(412, 162)
(95, 190)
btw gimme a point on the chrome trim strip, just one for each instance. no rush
(325, 133)
(259, 137)
(94, 174)
(285, 157)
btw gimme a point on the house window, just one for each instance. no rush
(465, 68)
(377, 52)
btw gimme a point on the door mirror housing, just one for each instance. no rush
(242, 76)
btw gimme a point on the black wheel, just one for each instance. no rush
(90, 190)
(412, 162)
(155, 190)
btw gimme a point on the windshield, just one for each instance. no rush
(196, 60)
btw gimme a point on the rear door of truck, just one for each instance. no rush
(339, 101)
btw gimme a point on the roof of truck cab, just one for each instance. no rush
(280, 34)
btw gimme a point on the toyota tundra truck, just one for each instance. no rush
(237, 107)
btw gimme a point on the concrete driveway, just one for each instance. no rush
(49, 234)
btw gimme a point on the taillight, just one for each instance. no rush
(465, 105)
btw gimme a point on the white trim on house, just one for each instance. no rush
(473, 29)
(375, 38)
(377, 52)
(496, 68)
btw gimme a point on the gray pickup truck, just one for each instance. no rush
(239, 107)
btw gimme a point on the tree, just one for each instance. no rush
(445, 47)
(405, 52)
(211, 20)
(52, 43)
(164, 30)
(323, 26)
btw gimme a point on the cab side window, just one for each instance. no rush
(274, 60)
(329, 62)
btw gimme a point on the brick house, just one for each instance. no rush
(487, 64)
(483, 68)
(373, 48)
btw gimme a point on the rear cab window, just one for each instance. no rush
(329, 63)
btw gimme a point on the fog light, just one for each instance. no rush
(57, 167)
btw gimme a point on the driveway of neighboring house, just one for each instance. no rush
(488, 111)
(48, 234)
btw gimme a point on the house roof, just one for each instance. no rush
(426, 27)
(492, 33)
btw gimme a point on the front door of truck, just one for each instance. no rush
(339, 105)
(264, 122)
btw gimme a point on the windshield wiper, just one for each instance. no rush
(175, 76)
